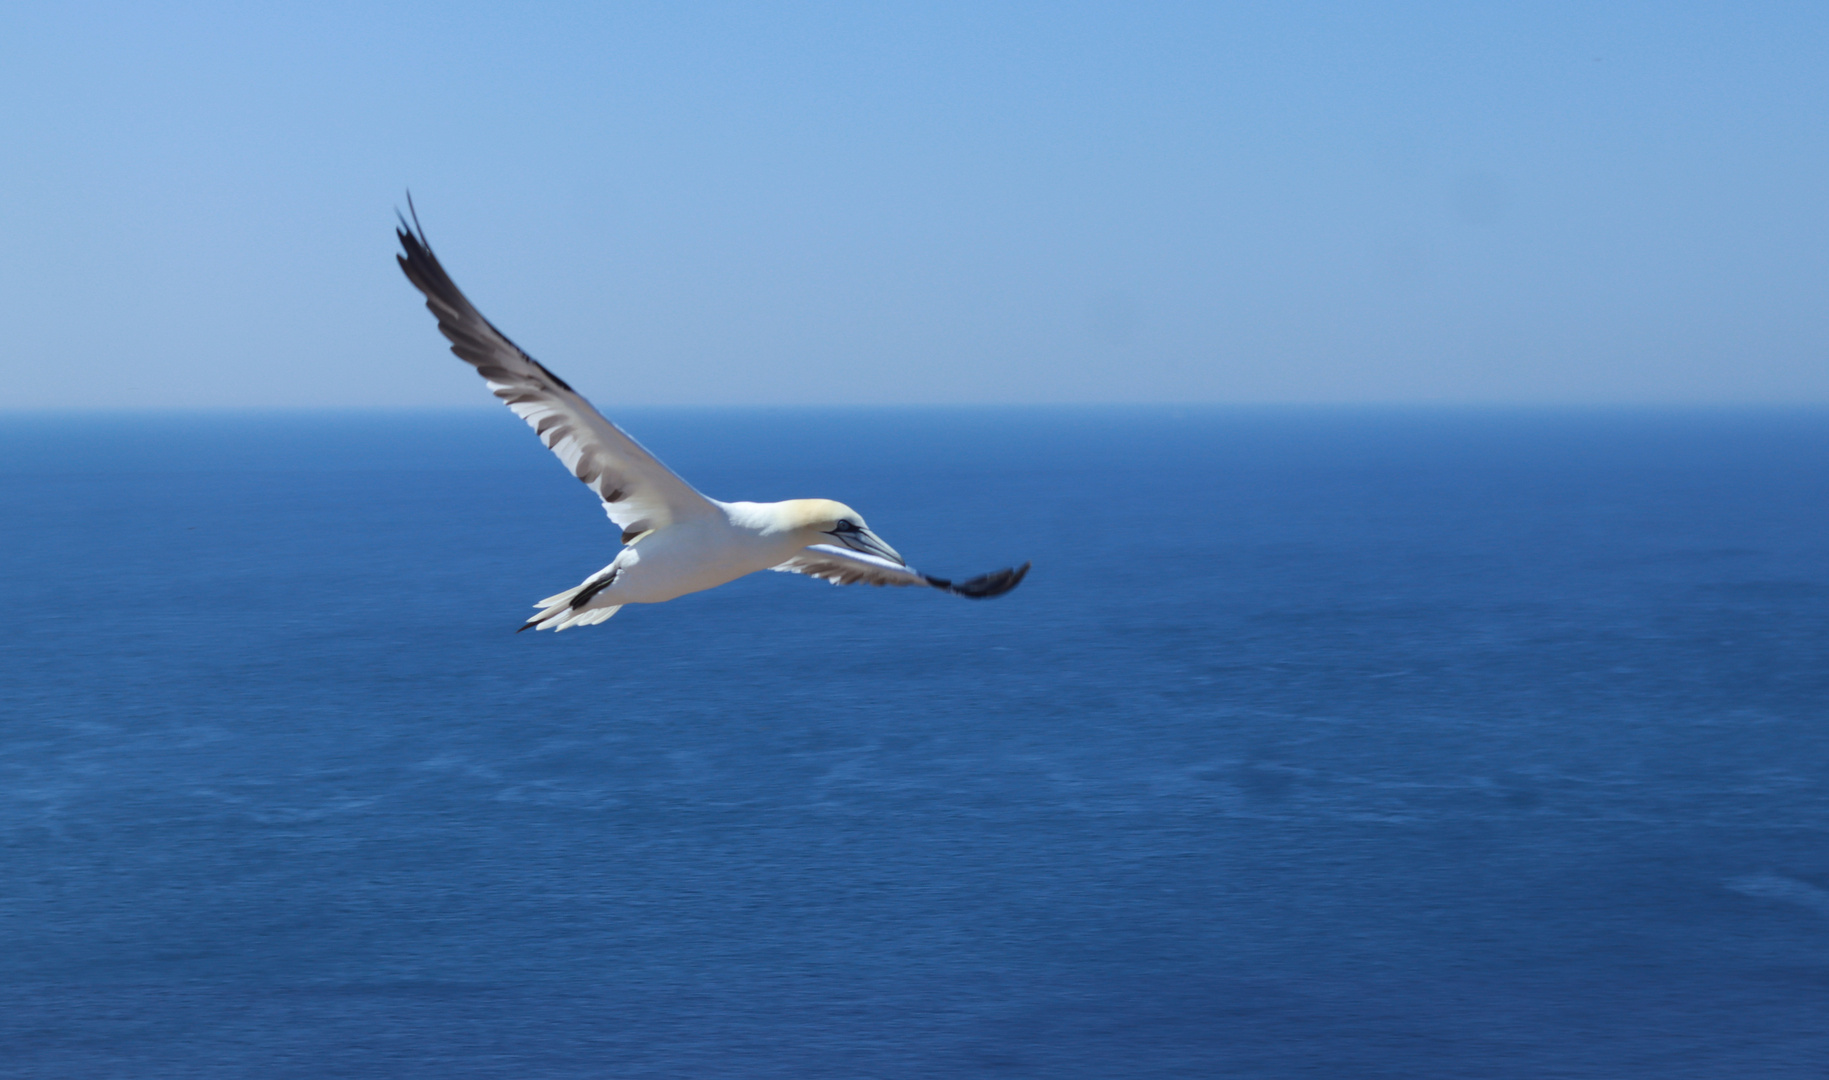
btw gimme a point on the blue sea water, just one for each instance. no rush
(1318, 744)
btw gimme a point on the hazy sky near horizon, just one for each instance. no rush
(925, 203)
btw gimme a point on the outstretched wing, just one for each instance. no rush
(638, 492)
(842, 567)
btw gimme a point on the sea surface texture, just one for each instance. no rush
(1318, 744)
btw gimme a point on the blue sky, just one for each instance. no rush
(924, 203)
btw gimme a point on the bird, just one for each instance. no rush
(675, 541)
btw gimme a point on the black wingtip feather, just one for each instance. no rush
(984, 586)
(414, 210)
(428, 275)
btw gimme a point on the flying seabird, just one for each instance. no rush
(675, 540)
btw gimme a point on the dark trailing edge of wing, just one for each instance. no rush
(428, 276)
(984, 586)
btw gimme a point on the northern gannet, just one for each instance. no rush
(675, 540)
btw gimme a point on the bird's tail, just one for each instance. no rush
(557, 612)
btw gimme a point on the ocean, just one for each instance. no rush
(1319, 743)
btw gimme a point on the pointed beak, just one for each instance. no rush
(870, 544)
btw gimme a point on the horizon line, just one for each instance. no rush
(1076, 406)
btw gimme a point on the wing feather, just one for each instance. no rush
(638, 492)
(844, 567)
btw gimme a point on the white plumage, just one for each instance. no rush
(676, 541)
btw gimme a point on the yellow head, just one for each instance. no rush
(822, 521)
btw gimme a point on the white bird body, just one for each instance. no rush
(676, 541)
(702, 553)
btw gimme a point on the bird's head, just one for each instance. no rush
(822, 521)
